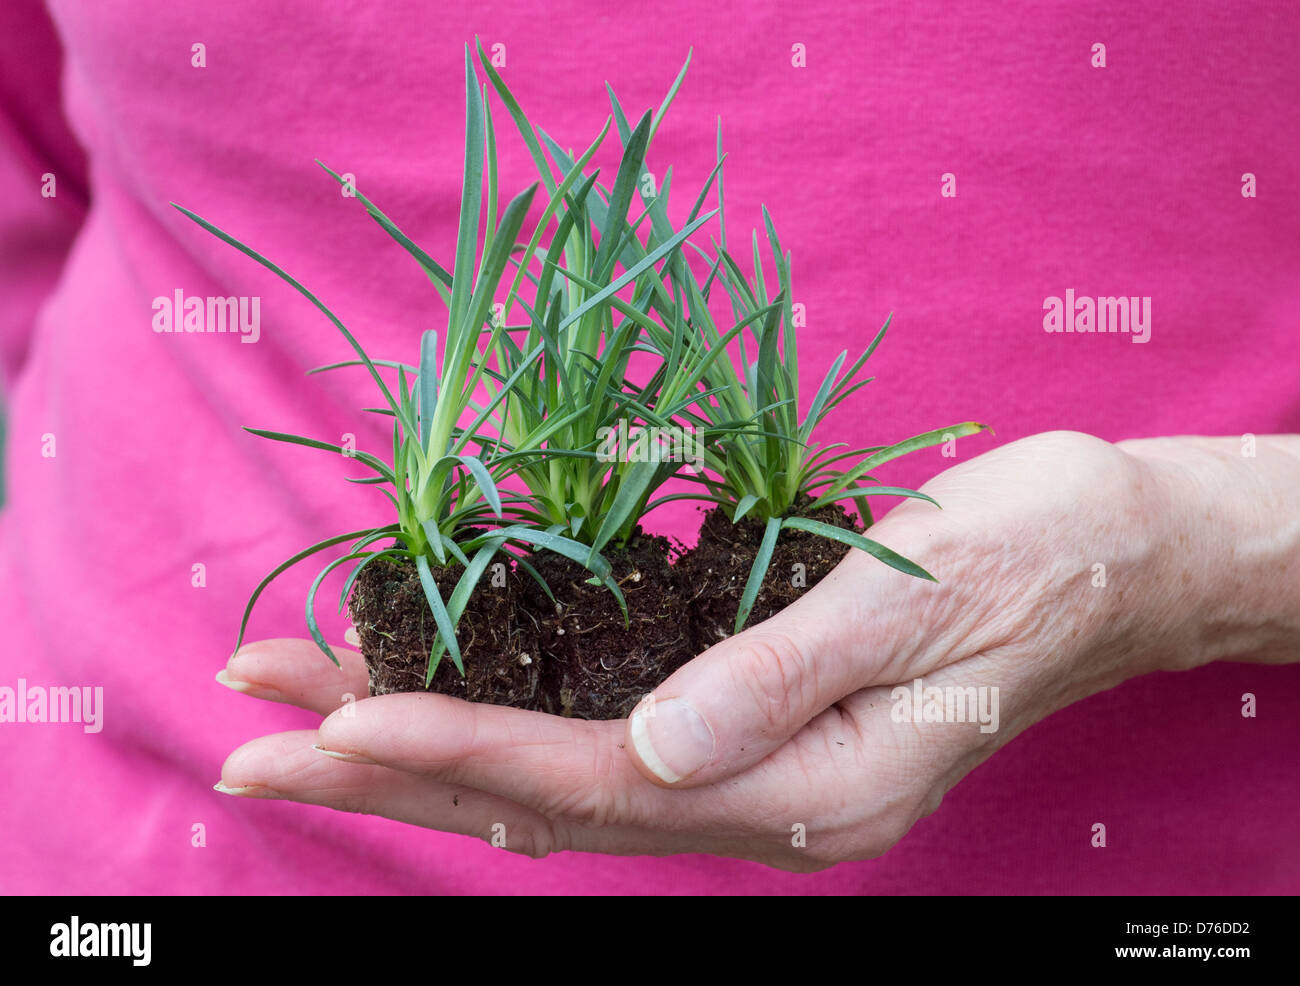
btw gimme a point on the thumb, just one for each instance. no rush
(745, 697)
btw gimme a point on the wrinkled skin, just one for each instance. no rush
(799, 708)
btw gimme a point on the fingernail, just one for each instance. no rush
(346, 757)
(250, 791)
(671, 738)
(247, 687)
(351, 637)
(240, 686)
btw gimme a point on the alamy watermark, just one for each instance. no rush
(634, 443)
(1130, 315)
(951, 703)
(36, 703)
(76, 940)
(235, 314)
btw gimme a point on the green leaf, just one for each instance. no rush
(385, 474)
(435, 271)
(465, 586)
(517, 114)
(854, 540)
(625, 183)
(312, 627)
(635, 271)
(484, 480)
(446, 628)
(558, 195)
(758, 571)
(454, 550)
(861, 361)
(280, 273)
(471, 200)
(436, 541)
(285, 565)
(506, 388)
(743, 506)
(428, 386)
(924, 440)
(577, 515)
(872, 491)
(391, 364)
(672, 93)
(494, 262)
(632, 491)
(570, 549)
(823, 393)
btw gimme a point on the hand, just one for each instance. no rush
(1067, 565)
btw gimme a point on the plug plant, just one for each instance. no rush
(444, 478)
(565, 337)
(776, 473)
(596, 289)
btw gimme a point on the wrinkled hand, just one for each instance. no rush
(792, 726)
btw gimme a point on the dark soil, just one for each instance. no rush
(713, 574)
(497, 635)
(594, 666)
(576, 656)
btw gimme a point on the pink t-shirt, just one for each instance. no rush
(127, 466)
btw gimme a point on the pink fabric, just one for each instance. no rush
(1106, 181)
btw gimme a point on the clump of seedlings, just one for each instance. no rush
(778, 525)
(580, 370)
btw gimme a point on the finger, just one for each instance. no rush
(745, 697)
(550, 763)
(821, 785)
(297, 673)
(288, 766)
(285, 766)
(563, 768)
(575, 775)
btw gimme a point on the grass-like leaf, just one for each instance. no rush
(854, 540)
(441, 618)
(289, 563)
(605, 325)
(758, 571)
